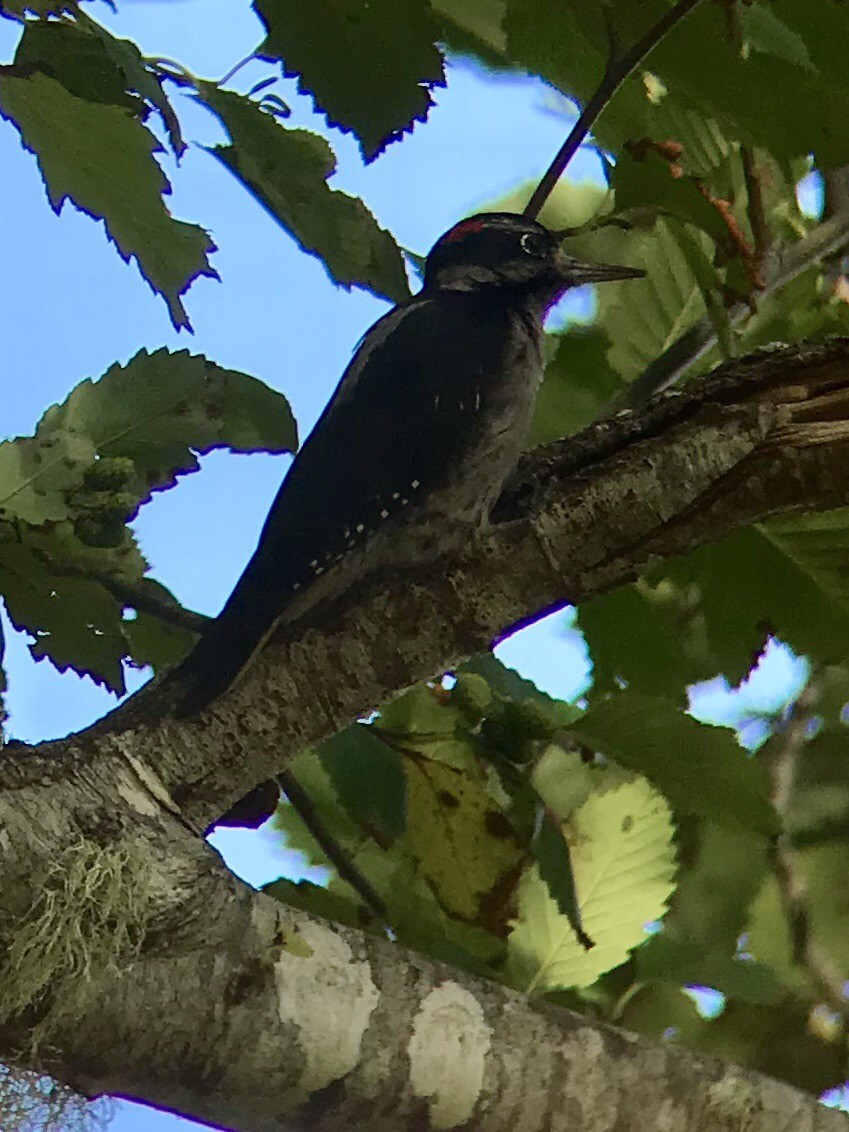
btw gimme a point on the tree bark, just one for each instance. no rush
(247, 1014)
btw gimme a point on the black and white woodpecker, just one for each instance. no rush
(407, 459)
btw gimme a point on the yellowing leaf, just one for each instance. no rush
(463, 842)
(623, 862)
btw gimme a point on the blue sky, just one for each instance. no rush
(72, 307)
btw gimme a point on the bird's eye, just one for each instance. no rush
(532, 243)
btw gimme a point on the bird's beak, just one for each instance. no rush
(579, 273)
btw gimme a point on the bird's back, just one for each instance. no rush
(424, 426)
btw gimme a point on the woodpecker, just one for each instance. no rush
(424, 427)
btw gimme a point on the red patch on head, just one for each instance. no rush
(465, 228)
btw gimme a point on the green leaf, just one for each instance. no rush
(100, 157)
(314, 779)
(554, 864)
(652, 182)
(155, 412)
(356, 756)
(650, 735)
(16, 9)
(623, 862)
(781, 580)
(339, 907)
(155, 642)
(75, 621)
(77, 60)
(287, 170)
(763, 31)
(429, 721)
(140, 78)
(670, 961)
(369, 67)
(579, 382)
(508, 684)
(652, 636)
(642, 316)
(722, 870)
(563, 780)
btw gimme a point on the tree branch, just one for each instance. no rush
(334, 852)
(263, 1019)
(144, 595)
(761, 436)
(618, 69)
(780, 268)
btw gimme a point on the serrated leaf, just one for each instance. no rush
(763, 31)
(339, 907)
(579, 382)
(510, 685)
(17, 9)
(623, 863)
(554, 864)
(101, 158)
(75, 621)
(750, 586)
(369, 67)
(287, 171)
(156, 411)
(465, 846)
(138, 77)
(650, 735)
(77, 60)
(427, 721)
(356, 756)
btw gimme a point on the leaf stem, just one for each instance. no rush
(345, 867)
(617, 70)
(783, 265)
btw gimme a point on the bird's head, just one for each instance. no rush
(502, 250)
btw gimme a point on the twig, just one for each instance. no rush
(782, 267)
(782, 764)
(755, 207)
(137, 595)
(237, 67)
(340, 860)
(617, 70)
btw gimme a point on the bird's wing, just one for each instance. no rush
(388, 434)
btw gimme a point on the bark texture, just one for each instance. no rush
(226, 1006)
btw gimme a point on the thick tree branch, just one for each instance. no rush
(269, 1020)
(761, 436)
